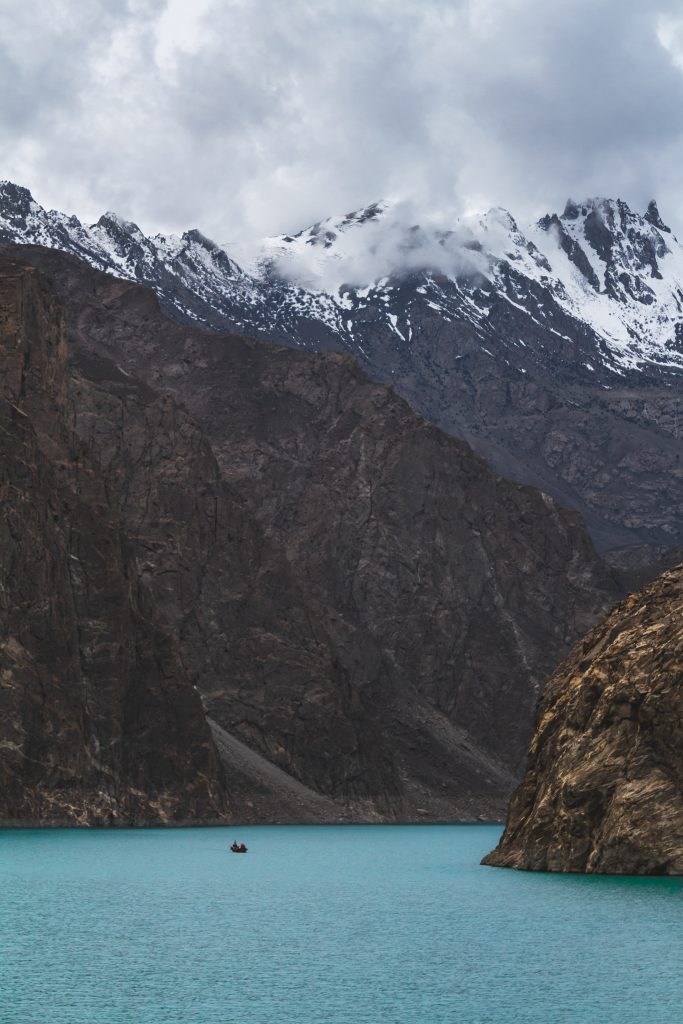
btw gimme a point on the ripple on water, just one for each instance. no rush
(376, 924)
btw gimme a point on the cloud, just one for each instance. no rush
(249, 118)
(369, 248)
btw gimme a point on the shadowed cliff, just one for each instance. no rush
(99, 722)
(357, 597)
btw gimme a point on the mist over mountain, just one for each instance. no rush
(385, 239)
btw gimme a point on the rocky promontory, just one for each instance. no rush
(603, 790)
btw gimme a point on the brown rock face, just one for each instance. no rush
(362, 603)
(603, 791)
(613, 453)
(98, 720)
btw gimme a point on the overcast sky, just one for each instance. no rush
(253, 117)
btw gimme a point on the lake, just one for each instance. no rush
(383, 924)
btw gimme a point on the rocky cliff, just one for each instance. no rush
(99, 722)
(603, 790)
(362, 603)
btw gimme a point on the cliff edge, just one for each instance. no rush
(99, 722)
(603, 790)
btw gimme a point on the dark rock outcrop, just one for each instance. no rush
(359, 599)
(603, 791)
(99, 722)
(652, 216)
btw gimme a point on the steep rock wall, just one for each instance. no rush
(602, 792)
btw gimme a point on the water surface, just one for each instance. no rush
(367, 924)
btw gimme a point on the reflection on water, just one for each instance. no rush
(324, 924)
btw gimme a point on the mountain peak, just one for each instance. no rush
(612, 210)
(372, 212)
(195, 235)
(571, 210)
(653, 217)
(16, 197)
(112, 223)
(601, 205)
(326, 231)
(500, 216)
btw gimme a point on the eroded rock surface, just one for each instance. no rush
(358, 597)
(603, 791)
(99, 722)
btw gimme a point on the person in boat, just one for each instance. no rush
(235, 846)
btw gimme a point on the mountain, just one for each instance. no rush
(602, 791)
(365, 609)
(100, 723)
(554, 349)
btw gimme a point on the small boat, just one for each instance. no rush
(235, 848)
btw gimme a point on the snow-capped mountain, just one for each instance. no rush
(616, 274)
(556, 348)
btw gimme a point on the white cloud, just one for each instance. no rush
(248, 118)
(373, 248)
(182, 28)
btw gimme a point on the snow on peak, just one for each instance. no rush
(361, 248)
(111, 222)
(619, 272)
(597, 269)
(15, 195)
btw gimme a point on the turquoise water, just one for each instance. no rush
(324, 924)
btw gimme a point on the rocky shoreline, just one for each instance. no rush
(603, 789)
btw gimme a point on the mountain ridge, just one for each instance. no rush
(498, 354)
(584, 233)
